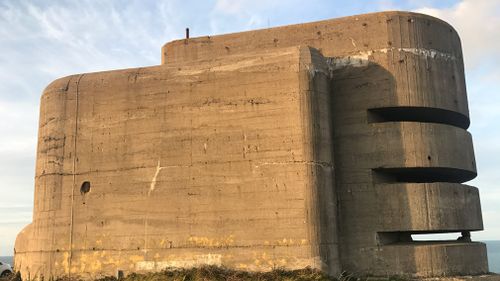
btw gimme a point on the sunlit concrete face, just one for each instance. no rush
(324, 144)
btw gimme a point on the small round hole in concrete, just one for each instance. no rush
(85, 188)
(429, 157)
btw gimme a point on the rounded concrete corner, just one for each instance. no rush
(428, 17)
(419, 30)
(59, 85)
(23, 238)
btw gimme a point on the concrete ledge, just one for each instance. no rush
(414, 144)
(426, 259)
(450, 207)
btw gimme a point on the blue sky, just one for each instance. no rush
(43, 40)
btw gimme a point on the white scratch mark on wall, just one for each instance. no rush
(361, 59)
(353, 42)
(152, 186)
(430, 53)
(153, 181)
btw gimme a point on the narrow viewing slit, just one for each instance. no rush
(423, 237)
(418, 114)
(421, 175)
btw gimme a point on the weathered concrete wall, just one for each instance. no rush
(324, 144)
(400, 116)
(187, 166)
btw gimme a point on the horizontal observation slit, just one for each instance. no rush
(418, 114)
(424, 237)
(422, 175)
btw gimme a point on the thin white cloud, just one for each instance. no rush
(230, 7)
(477, 22)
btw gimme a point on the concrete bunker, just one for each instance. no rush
(360, 146)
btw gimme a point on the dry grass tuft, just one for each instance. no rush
(212, 273)
(215, 273)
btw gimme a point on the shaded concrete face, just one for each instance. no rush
(325, 144)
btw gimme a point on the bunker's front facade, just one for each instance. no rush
(325, 144)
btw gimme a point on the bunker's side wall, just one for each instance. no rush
(400, 116)
(187, 165)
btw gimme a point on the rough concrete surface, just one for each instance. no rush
(325, 144)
